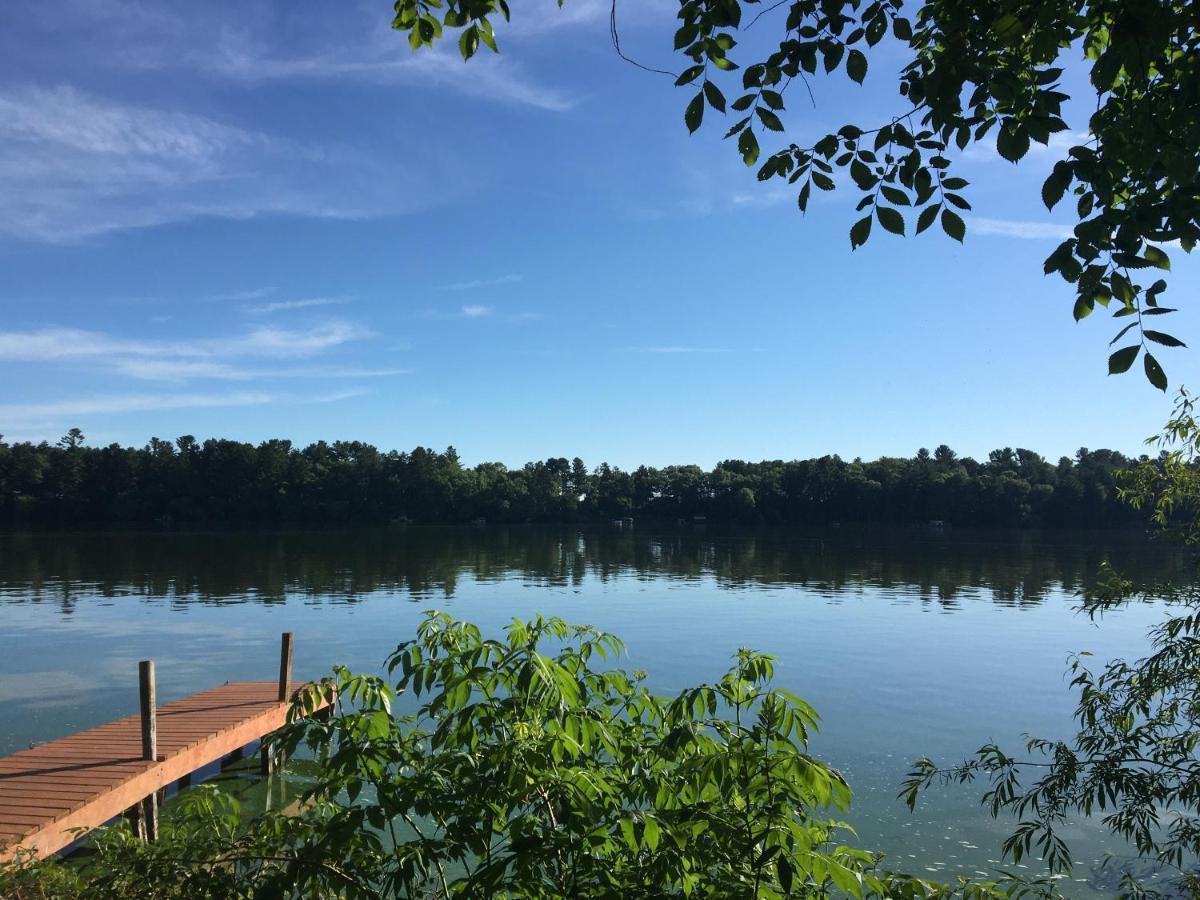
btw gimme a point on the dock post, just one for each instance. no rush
(149, 703)
(266, 758)
(269, 758)
(136, 820)
(285, 665)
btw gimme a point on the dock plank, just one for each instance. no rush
(87, 779)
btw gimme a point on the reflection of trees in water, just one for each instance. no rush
(1011, 568)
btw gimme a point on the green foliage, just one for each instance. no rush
(1133, 761)
(525, 774)
(25, 878)
(207, 849)
(532, 768)
(228, 483)
(977, 72)
(1170, 485)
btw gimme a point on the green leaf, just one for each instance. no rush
(1154, 373)
(689, 75)
(1165, 339)
(827, 146)
(1121, 360)
(1012, 142)
(714, 96)
(953, 225)
(650, 833)
(378, 725)
(862, 175)
(1056, 185)
(769, 119)
(771, 167)
(1131, 261)
(926, 218)
(737, 126)
(890, 219)
(856, 65)
(1157, 257)
(468, 42)
(628, 833)
(486, 35)
(748, 145)
(694, 114)
(824, 182)
(1120, 334)
(895, 195)
(802, 198)
(784, 869)
(859, 232)
(686, 35)
(832, 54)
(1083, 307)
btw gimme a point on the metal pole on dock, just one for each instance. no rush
(149, 704)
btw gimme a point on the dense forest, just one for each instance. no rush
(216, 483)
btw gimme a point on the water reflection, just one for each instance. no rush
(1011, 568)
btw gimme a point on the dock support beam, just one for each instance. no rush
(270, 760)
(149, 704)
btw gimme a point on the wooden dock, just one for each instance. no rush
(90, 778)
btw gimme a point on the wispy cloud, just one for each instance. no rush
(178, 371)
(338, 396)
(45, 415)
(243, 295)
(765, 197)
(476, 283)
(232, 357)
(531, 22)
(74, 165)
(681, 349)
(283, 305)
(489, 77)
(1034, 231)
(110, 404)
(476, 311)
(255, 43)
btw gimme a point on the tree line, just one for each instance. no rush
(218, 483)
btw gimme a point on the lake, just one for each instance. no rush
(909, 643)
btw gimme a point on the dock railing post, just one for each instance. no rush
(149, 704)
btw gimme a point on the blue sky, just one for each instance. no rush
(273, 220)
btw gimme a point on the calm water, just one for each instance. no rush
(908, 643)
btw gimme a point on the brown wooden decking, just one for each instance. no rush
(84, 780)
